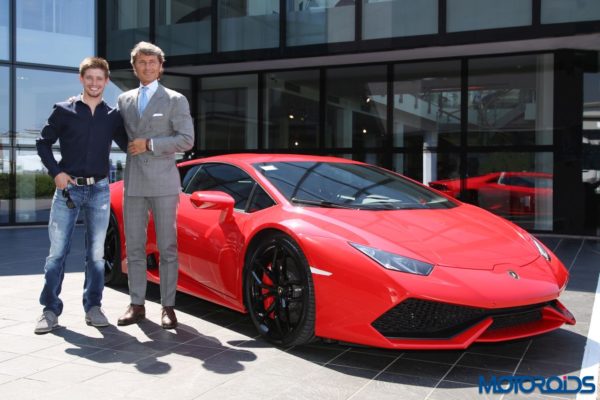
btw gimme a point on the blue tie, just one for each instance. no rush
(143, 99)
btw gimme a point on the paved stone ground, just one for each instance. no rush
(215, 353)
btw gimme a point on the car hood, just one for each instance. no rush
(460, 237)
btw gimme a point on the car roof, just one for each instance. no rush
(253, 158)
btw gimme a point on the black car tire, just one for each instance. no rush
(113, 275)
(279, 291)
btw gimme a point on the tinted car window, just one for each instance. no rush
(187, 173)
(260, 200)
(225, 178)
(348, 185)
(518, 181)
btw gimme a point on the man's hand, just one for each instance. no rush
(136, 146)
(62, 180)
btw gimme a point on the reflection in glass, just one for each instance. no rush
(246, 25)
(46, 28)
(4, 105)
(35, 187)
(291, 110)
(590, 162)
(393, 18)
(4, 185)
(116, 166)
(440, 165)
(127, 23)
(37, 92)
(183, 26)
(347, 185)
(319, 21)
(426, 114)
(468, 15)
(516, 186)
(555, 11)
(228, 109)
(356, 108)
(511, 100)
(4, 29)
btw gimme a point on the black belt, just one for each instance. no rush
(84, 181)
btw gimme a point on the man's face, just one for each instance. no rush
(147, 68)
(93, 82)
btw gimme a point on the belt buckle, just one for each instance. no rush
(82, 181)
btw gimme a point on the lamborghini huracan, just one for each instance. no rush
(337, 249)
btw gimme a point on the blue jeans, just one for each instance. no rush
(94, 201)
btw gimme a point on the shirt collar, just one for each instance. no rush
(151, 87)
(79, 98)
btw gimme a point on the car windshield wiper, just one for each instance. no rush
(389, 205)
(322, 203)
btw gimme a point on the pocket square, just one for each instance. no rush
(157, 115)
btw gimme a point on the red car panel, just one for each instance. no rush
(488, 276)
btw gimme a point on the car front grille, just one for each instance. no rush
(415, 318)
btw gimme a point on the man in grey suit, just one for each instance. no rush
(158, 124)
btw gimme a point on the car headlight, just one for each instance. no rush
(540, 248)
(395, 262)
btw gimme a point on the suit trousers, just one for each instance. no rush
(135, 215)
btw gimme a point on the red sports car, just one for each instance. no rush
(332, 248)
(508, 194)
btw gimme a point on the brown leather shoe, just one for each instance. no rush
(168, 319)
(134, 314)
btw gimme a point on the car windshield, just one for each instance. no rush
(345, 185)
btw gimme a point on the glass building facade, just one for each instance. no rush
(495, 103)
(41, 46)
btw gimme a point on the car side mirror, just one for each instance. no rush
(214, 200)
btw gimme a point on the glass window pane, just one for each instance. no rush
(392, 18)
(590, 163)
(4, 185)
(511, 100)
(37, 92)
(116, 165)
(246, 25)
(183, 26)
(292, 110)
(4, 29)
(4, 105)
(127, 23)
(554, 11)
(35, 187)
(47, 28)
(516, 186)
(319, 21)
(427, 166)
(468, 15)
(228, 109)
(356, 108)
(427, 105)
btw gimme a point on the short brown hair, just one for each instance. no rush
(94, 62)
(147, 49)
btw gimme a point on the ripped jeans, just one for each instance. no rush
(94, 201)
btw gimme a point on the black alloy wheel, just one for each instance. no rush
(113, 276)
(279, 292)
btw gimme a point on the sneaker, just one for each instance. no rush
(95, 317)
(47, 322)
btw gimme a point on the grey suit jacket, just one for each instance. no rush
(167, 121)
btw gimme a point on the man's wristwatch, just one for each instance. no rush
(149, 146)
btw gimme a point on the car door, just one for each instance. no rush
(211, 248)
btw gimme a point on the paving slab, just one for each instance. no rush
(217, 353)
